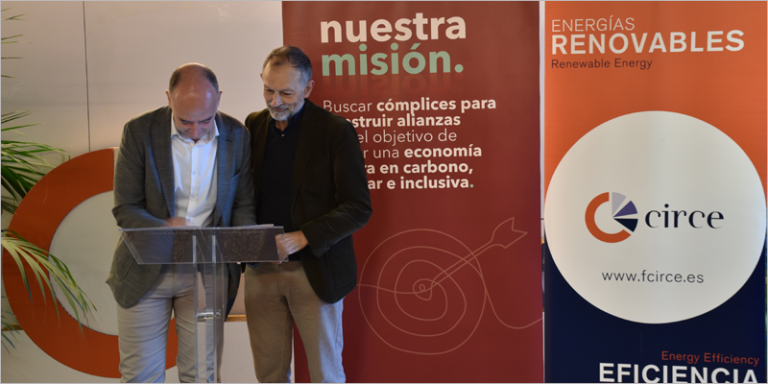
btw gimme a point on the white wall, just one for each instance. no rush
(87, 68)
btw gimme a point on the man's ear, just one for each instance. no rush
(308, 88)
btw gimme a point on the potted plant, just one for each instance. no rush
(23, 164)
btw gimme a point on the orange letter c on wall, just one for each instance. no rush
(37, 219)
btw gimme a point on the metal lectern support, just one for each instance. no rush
(207, 250)
(210, 300)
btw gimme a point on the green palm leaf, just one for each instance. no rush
(7, 326)
(42, 265)
(23, 164)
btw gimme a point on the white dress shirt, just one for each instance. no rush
(194, 175)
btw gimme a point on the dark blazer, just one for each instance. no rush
(330, 198)
(144, 194)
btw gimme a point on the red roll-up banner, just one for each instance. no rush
(445, 100)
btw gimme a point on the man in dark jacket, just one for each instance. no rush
(309, 177)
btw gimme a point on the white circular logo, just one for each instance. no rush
(655, 217)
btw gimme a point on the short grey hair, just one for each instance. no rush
(291, 55)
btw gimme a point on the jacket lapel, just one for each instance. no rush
(257, 154)
(224, 166)
(161, 142)
(307, 140)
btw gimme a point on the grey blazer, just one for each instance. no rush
(144, 194)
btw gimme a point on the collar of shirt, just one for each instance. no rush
(205, 140)
(292, 122)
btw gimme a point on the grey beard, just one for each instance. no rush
(280, 116)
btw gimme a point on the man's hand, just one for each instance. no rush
(178, 222)
(290, 243)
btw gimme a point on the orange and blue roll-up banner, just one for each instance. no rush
(445, 99)
(655, 175)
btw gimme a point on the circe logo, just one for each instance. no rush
(623, 213)
(709, 219)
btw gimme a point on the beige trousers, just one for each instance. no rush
(276, 296)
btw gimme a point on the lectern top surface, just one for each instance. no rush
(174, 245)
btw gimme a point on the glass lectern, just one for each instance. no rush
(208, 250)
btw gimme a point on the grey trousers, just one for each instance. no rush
(276, 296)
(143, 329)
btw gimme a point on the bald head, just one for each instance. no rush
(192, 71)
(193, 95)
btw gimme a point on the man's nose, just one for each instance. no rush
(277, 100)
(194, 129)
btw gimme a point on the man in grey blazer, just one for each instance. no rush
(186, 164)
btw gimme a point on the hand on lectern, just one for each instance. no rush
(290, 243)
(179, 222)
